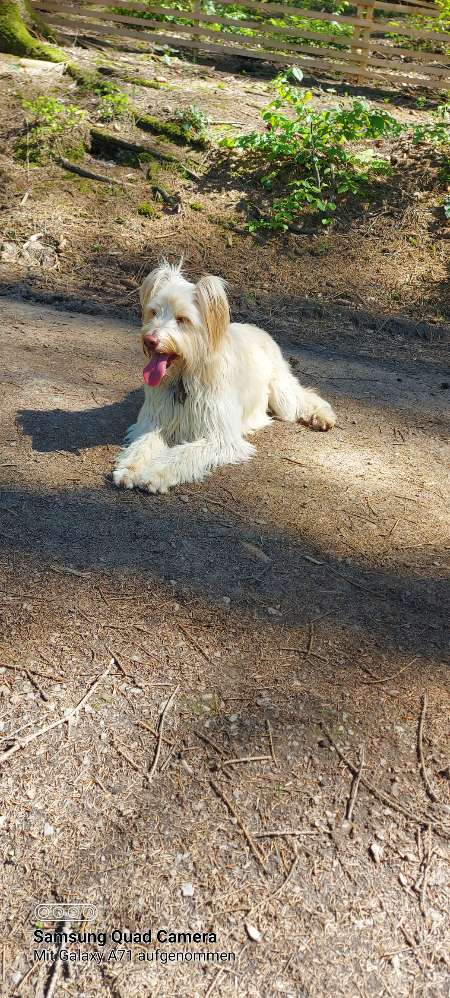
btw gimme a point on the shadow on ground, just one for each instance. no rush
(208, 554)
(61, 430)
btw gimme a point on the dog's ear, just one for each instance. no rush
(155, 281)
(212, 304)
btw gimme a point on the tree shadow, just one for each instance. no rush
(61, 430)
(209, 553)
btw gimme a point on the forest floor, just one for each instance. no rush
(288, 615)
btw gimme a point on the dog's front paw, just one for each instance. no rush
(157, 478)
(319, 414)
(323, 418)
(124, 477)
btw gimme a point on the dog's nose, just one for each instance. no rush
(150, 341)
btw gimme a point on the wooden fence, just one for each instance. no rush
(379, 42)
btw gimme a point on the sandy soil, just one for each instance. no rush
(294, 607)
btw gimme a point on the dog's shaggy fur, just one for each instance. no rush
(209, 385)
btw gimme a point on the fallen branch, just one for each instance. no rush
(208, 741)
(283, 833)
(123, 752)
(422, 820)
(423, 769)
(170, 130)
(55, 969)
(34, 672)
(81, 171)
(104, 142)
(193, 641)
(247, 836)
(271, 745)
(36, 685)
(162, 718)
(394, 675)
(355, 786)
(67, 716)
(246, 758)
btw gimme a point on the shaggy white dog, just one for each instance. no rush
(209, 384)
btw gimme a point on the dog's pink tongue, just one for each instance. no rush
(156, 369)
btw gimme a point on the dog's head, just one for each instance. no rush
(183, 324)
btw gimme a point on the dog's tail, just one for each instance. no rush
(289, 401)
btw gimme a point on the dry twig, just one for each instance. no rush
(81, 171)
(34, 672)
(385, 679)
(272, 749)
(162, 717)
(123, 752)
(283, 832)
(247, 836)
(246, 758)
(355, 786)
(36, 685)
(386, 798)
(55, 968)
(423, 769)
(193, 641)
(68, 715)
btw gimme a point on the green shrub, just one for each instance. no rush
(193, 124)
(113, 105)
(51, 126)
(437, 132)
(310, 153)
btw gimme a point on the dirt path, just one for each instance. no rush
(304, 591)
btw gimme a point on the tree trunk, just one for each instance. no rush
(18, 23)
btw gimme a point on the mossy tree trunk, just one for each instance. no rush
(18, 25)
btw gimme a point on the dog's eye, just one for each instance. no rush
(180, 318)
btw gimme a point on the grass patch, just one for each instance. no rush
(52, 127)
(147, 210)
(113, 105)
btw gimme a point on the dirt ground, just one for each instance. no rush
(388, 253)
(266, 757)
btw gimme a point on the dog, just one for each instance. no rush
(209, 384)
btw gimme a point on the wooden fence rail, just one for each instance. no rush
(383, 42)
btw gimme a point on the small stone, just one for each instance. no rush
(376, 851)
(48, 830)
(187, 890)
(253, 933)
